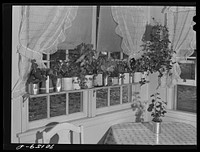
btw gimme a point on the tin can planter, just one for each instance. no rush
(156, 127)
(89, 81)
(114, 80)
(137, 76)
(98, 80)
(126, 78)
(67, 84)
(33, 89)
(46, 86)
(145, 76)
(76, 83)
(58, 85)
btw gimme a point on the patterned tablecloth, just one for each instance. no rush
(172, 133)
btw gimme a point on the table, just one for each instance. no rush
(172, 133)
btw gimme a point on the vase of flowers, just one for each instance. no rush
(158, 110)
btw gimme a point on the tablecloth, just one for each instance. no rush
(172, 133)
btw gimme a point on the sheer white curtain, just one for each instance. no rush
(182, 36)
(41, 29)
(131, 21)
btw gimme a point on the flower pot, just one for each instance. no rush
(98, 80)
(46, 86)
(67, 84)
(76, 83)
(156, 127)
(137, 76)
(58, 85)
(33, 88)
(89, 81)
(114, 80)
(126, 78)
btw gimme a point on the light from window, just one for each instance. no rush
(101, 98)
(75, 102)
(114, 96)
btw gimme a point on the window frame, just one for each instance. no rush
(171, 93)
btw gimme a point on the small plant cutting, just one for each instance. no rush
(157, 107)
(140, 106)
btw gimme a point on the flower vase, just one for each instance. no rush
(105, 80)
(67, 84)
(33, 88)
(58, 86)
(76, 83)
(89, 81)
(156, 127)
(137, 76)
(121, 75)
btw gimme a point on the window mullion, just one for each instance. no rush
(108, 96)
(121, 94)
(67, 103)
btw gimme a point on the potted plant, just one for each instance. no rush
(56, 73)
(158, 110)
(87, 64)
(36, 76)
(139, 106)
(108, 66)
(156, 52)
(77, 77)
(67, 76)
(138, 68)
(114, 76)
(124, 71)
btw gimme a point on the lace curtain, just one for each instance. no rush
(41, 29)
(131, 21)
(182, 36)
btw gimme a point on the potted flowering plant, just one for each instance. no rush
(158, 110)
(124, 71)
(36, 76)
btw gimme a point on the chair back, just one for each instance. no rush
(64, 132)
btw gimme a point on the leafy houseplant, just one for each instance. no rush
(140, 106)
(156, 52)
(157, 107)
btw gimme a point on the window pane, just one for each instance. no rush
(102, 98)
(37, 108)
(125, 94)
(59, 55)
(125, 56)
(186, 98)
(187, 71)
(115, 55)
(115, 96)
(57, 105)
(75, 102)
